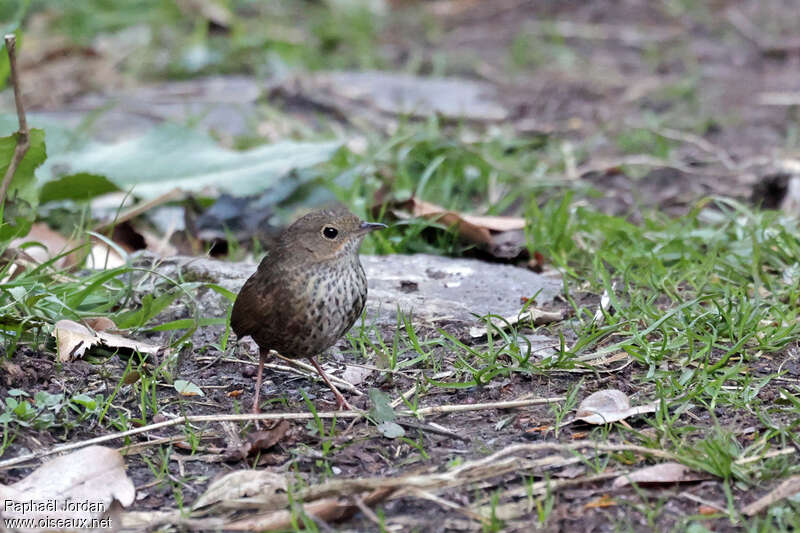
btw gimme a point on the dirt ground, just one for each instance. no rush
(725, 77)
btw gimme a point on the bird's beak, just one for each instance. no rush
(367, 227)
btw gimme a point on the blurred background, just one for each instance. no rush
(219, 120)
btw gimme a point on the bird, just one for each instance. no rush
(307, 292)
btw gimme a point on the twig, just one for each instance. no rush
(262, 416)
(447, 504)
(364, 508)
(768, 455)
(23, 134)
(430, 428)
(698, 141)
(703, 501)
(459, 408)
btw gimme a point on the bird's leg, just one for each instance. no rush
(259, 376)
(341, 403)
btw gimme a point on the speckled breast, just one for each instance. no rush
(325, 302)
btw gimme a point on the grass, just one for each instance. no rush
(698, 302)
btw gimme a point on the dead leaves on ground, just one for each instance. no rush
(669, 472)
(500, 236)
(73, 339)
(610, 405)
(80, 486)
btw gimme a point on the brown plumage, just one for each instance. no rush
(307, 292)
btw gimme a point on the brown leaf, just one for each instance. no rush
(539, 317)
(269, 487)
(326, 509)
(100, 323)
(603, 501)
(258, 441)
(355, 375)
(48, 244)
(610, 405)
(94, 476)
(74, 339)
(12, 371)
(670, 472)
(501, 236)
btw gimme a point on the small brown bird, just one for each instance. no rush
(307, 292)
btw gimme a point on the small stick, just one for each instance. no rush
(23, 137)
(261, 416)
(459, 408)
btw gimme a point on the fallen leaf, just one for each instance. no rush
(531, 314)
(603, 501)
(43, 243)
(391, 430)
(355, 375)
(500, 236)
(100, 323)
(270, 487)
(79, 486)
(74, 339)
(258, 441)
(610, 405)
(179, 157)
(187, 388)
(670, 472)
(12, 371)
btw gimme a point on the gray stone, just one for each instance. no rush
(437, 291)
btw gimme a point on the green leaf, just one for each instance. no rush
(86, 401)
(187, 388)
(82, 186)
(381, 409)
(151, 307)
(172, 156)
(20, 207)
(391, 430)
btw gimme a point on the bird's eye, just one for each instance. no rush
(330, 232)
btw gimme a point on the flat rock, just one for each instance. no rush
(434, 290)
(392, 93)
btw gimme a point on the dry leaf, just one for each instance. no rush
(355, 375)
(78, 487)
(257, 441)
(500, 236)
(326, 509)
(661, 473)
(603, 501)
(268, 487)
(537, 316)
(52, 244)
(74, 339)
(100, 323)
(608, 406)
